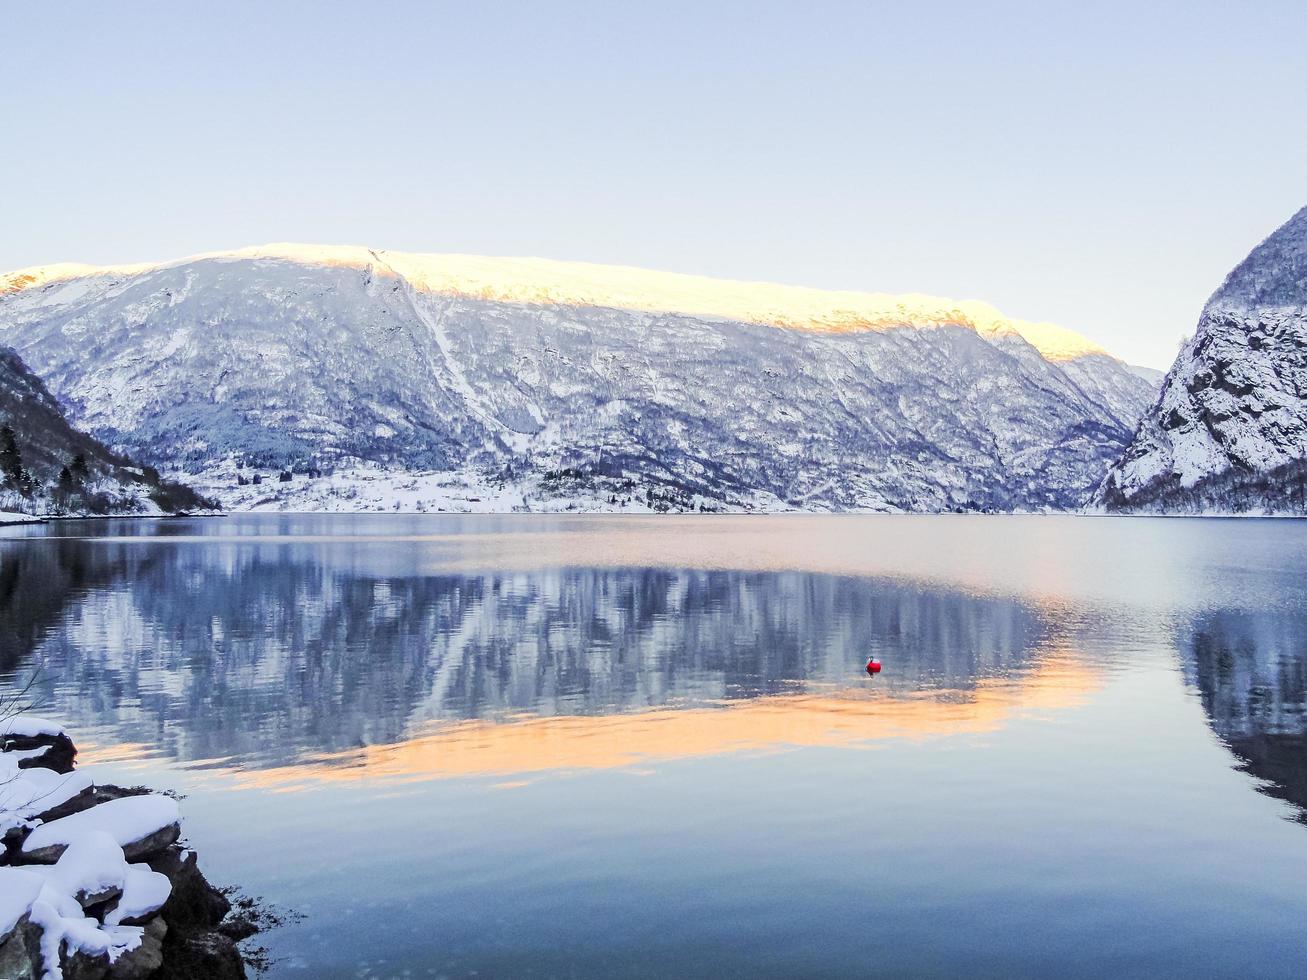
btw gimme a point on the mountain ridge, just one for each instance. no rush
(537, 281)
(1228, 432)
(531, 392)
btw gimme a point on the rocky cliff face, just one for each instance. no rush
(545, 381)
(1229, 431)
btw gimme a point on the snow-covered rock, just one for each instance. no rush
(144, 892)
(75, 943)
(140, 825)
(34, 793)
(20, 939)
(88, 915)
(29, 726)
(36, 742)
(91, 915)
(1229, 430)
(526, 384)
(18, 890)
(91, 869)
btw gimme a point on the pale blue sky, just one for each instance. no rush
(1101, 165)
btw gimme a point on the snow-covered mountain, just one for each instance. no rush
(47, 465)
(384, 379)
(1229, 432)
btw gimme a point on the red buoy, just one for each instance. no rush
(873, 666)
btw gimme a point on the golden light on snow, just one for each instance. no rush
(543, 281)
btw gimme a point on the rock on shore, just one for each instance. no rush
(94, 884)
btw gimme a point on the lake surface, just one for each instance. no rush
(591, 746)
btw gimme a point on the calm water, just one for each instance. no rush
(528, 746)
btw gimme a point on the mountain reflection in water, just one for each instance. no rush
(272, 648)
(1250, 670)
(266, 656)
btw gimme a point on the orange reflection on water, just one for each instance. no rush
(539, 745)
(125, 754)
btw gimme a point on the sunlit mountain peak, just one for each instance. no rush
(535, 281)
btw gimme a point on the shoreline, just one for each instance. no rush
(96, 882)
(11, 518)
(634, 514)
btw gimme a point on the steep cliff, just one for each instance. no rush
(1229, 431)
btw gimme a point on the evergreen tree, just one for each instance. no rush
(79, 469)
(11, 460)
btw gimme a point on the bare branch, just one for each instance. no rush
(18, 701)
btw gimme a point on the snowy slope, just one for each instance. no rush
(551, 283)
(47, 443)
(533, 383)
(1229, 431)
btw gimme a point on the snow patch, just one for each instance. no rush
(18, 890)
(126, 821)
(29, 726)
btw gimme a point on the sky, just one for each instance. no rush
(1102, 165)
